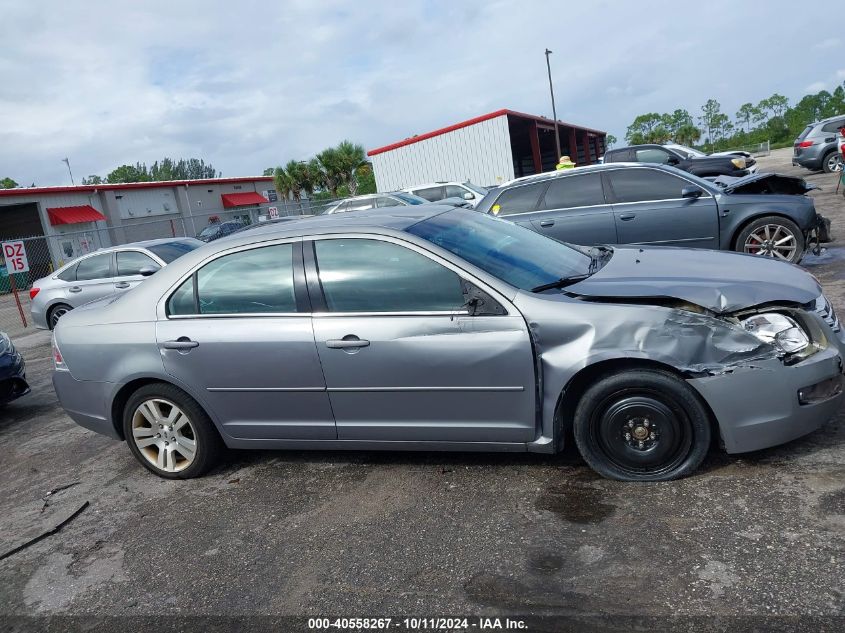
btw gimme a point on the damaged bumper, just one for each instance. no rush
(766, 403)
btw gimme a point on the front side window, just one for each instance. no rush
(833, 126)
(132, 262)
(96, 267)
(518, 199)
(453, 191)
(652, 155)
(362, 275)
(638, 185)
(574, 191)
(256, 281)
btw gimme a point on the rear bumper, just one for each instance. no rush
(807, 161)
(86, 402)
(757, 406)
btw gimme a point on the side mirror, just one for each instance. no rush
(146, 271)
(468, 196)
(691, 192)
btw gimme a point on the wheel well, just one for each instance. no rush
(122, 397)
(767, 214)
(578, 384)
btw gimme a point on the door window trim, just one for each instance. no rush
(299, 290)
(318, 300)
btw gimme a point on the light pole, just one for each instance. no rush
(66, 161)
(552, 91)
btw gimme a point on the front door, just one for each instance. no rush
(244, 344)
(649, 209)
(402, 358)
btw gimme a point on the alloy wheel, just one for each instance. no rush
(164, 435)
(772, 240)
(57, 314)
(834, 163)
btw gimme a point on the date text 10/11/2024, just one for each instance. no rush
(418, 624)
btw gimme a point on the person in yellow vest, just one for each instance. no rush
(564, 163)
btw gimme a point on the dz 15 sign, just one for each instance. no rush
(15, 256)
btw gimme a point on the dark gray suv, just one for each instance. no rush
(815, 148)
(634, 203)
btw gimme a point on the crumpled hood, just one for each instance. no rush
(777, 184)
(718, 281)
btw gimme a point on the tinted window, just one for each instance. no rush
(432, 194)
(574, 191)
(374, 276)
(131, 263)
(170, 251)
(453, 191)
(833, 126)
(211, 229)
(388, 202)
(518, 199)
(96, 267)
(254, 281)
(652, 155)
(68, 274)
(360, 205)
(619, 156)
(636, 185)
(512, 253)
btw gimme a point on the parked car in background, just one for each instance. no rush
(220, 229)
(661, 205)
(101, 273)
(694, 152)
(385, 200)
(410, 330)
(694, 162)
(816, 148)
(13, 383)
(437, 191)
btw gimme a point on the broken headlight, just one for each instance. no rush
(778, 330)
(739, 163)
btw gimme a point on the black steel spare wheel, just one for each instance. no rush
(642, 425)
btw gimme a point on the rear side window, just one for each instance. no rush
(360, 205)
(248, 282)
(96, 267)
(432, 194)
(574, 191)
(833, 126)
(372, 276)
(131, 263)
(638, 185)
(388, 202)
(652, 155)
(453, 191)
(520, 199)
(68, 274)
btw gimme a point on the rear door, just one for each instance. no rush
(129, 265)
(402, 358)
(573, 209)
(93, 279)
(649, 209)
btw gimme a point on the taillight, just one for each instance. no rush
(33, 292)
(805, 144)
(58, 361)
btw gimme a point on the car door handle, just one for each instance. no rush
(183, 342)
(547, 223)
(122, 284)
(342, 343)
(74, 289)
(627, 216)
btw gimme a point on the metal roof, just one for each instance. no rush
(29, 191)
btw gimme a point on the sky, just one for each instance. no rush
(247, 85)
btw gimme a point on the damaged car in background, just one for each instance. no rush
(437, 328)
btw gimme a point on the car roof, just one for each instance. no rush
(139, 244)
(584, 169)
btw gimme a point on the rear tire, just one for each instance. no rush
(57, 312)
(169, 433)
(642, 425)
(832, 161)
(772, 236)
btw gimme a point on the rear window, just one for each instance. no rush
(805, 132)
(169, 251)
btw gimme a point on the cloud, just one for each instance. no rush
(816, 87)
(831, 42)
(252, 84)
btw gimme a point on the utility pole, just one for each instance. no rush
(66, 161)
(554, 112)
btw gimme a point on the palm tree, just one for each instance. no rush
(350, 158)
(331, 176)
(296, 177)
(283, 183)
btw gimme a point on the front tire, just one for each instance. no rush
(772, 236)
(169, 433)
(642, 425)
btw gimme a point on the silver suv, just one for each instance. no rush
(99, 274)
(815, 148)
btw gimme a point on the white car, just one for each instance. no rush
(437, 191)
(695, 152)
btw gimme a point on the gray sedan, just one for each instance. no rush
(435, 328)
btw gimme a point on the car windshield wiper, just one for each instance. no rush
(561, 283)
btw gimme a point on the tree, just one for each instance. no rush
(129, 173)
(611, 140)
(646, 128)
(687, 134)
(92, 180)
(282, 181)
(8, 183)
(776, 105)
(330, 170)
(710, 111)
(366, 179)
(748, 115)
(350, 157)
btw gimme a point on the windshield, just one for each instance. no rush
(514, 254)
(409, 198)
(169, 251)
(688, 150)
(211, 229)
(476, 188)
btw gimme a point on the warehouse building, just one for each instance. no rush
(487, 150)
(61, 223)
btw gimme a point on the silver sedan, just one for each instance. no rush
(435, 328)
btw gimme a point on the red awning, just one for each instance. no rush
(74, 215)
(242, 199)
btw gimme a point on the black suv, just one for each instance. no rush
(696, 163)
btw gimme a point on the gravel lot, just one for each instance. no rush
(367, 534)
